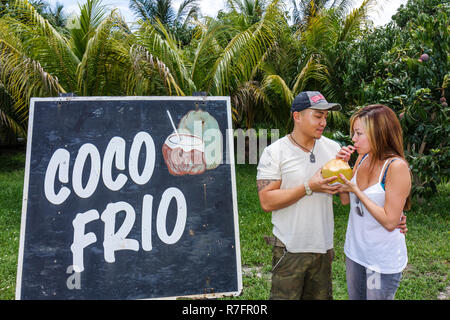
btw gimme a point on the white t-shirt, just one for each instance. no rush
(308, 224)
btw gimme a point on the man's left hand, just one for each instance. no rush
(402, 225)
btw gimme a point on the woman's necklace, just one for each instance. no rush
(312, 157)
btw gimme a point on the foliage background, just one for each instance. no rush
(254, 51)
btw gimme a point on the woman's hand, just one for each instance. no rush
(345, 153)
(348, 186)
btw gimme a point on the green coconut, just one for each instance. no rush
(199, 123)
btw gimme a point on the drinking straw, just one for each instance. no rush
(173, 125)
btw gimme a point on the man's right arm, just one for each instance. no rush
(271, 197)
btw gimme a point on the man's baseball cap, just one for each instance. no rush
(313, 100)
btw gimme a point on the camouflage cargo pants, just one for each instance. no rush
(301, 276)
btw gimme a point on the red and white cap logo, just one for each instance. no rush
(317, 98)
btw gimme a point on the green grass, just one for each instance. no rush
(11, 185)
(427, 240)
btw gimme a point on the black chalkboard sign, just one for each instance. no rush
(129, 198)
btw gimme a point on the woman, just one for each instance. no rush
(379, 191)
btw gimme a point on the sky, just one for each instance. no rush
(381, 15)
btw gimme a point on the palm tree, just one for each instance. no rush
(249, 11)
(56, 16)
(163, 10)
(283, 70)
(92, 13)
(327, 36)
(305, 10)
(23, 48)
(308, 59)
(329, 33)
(38, 61)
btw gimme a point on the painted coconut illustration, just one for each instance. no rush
(335, 167)
(184, 154)
(201, 123)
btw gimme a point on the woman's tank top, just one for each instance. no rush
(367, 242)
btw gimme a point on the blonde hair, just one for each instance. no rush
(384, 132)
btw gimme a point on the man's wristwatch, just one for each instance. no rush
(308, 189)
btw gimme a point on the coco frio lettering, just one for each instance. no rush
(59, 162)
(100, 169)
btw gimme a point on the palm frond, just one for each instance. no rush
(277, 99)
(277, 85)
(318, 36)
(43, 43)
(24, 78)
(83, 27)
(354, 21)
(207, 50)
(187, 9)
(312, 70)
(10, 125)
(141, 9)
(167, 50)
(144, 64)
(246, 100)
(244, 52)
(93, 72)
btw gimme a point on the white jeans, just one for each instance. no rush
(365, 284)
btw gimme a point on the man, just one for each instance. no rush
(291, 186)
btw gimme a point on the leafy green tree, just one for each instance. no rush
(405, 65)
